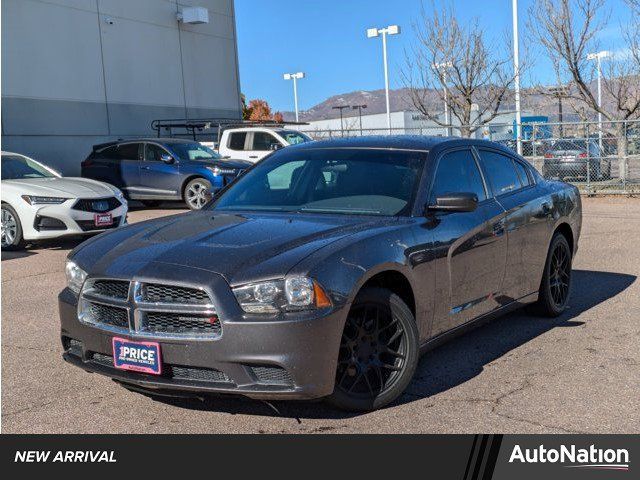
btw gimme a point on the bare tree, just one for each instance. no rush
(458, 66)
(568, 31)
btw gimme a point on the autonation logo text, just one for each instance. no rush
(573, 457)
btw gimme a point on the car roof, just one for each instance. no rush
(399, 142)
(121, 141)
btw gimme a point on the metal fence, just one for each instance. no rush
(599, 158)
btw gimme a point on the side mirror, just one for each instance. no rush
(455, 202)
(275, 146)
(166, 158)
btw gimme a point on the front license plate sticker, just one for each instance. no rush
(137, 356)
(103, 219)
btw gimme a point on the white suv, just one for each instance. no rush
(254, 143)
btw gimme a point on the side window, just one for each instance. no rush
(109, 153)
(522, 173)
(458, 172)
(262, 141)
(284, 176)
(236, 140)
(500, 171)
(153, 152)
(128, 151)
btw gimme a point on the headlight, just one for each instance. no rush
(217, 171)
(35, 200)
(292, 293)
(75, 276)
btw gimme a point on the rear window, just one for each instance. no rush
(570, 145)
(236, 140)
(500, 171)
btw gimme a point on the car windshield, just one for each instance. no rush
(293, 137)
(193, 151)
(333, 181)
(17, 168)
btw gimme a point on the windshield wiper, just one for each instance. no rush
(339, 210)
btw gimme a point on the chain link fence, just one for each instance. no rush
(597, 157)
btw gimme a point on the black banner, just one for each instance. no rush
(460, 457)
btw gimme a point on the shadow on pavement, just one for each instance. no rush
(65, 243)
(449, 365)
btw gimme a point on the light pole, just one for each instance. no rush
(442, 70)
(294, 77)
(374, 32)
(359, 108)
(516, 79)
(341, 108)
(559, 92)
(598, 56)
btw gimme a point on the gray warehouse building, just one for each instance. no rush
(80, 72)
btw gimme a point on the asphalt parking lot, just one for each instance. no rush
(577, 373)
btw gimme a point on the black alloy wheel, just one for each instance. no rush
(378, 352)
(555, 287)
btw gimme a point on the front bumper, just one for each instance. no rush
(291, 358)
(75, 221)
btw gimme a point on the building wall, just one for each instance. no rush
(80, 72)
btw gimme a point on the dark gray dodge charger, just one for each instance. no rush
(323, 271)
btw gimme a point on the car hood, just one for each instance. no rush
(240, 247)
(226, 163)
(63, 187)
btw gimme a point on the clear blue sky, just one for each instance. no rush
(326, 39)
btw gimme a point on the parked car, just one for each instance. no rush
(38, 203)
(324, 271)
(156, 169)
(576, 158)
(254, 143)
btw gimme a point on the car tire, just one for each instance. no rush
(11, 229)
(151, 203)
(194, 195)
(378, 354)
(555, 287)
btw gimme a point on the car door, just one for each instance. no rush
(238, 145)
(527, 217)
(469, 247)
(129, 156)
(159, 179)
(261, 144)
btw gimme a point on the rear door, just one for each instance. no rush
(238, 144)
(469, 247)
(527, 218)
(129, 156)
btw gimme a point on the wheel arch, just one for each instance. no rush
(393, 280)
(565, 229)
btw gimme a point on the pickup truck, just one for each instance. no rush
(254, 143)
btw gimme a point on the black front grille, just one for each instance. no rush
(107, 315)
(101, 359)
(271, 375)
(181, 324)
(112, 288)
(97, 205)
(90, 225)
(171, 294)
(176, 372)
(198, 374)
